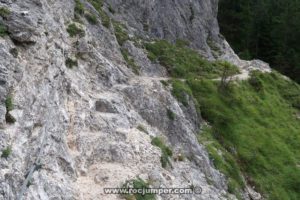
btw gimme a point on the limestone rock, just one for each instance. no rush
(195, 21)
(21, 28)
(79, 130)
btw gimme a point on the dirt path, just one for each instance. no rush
(147, 78)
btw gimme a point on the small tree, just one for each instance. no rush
(6, 152)
(227, 75)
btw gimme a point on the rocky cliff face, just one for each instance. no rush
(78, 130)
(192, 20)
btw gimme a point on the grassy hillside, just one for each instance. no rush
(183, 62)
(254, 124)
(259, 128)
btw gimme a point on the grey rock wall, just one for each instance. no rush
(76, 130)
(191, 20)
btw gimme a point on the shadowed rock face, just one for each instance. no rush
(104, 106)
(192, 20)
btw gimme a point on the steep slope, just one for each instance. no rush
(75, 119)
(172, 19)
(253, 130)
(88, 100)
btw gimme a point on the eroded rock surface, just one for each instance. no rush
(193, 20)
(77, 130)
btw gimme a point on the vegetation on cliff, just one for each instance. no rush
(254, 123)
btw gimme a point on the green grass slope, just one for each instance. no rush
(259, 128)
(255, 125)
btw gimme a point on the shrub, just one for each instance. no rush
(70, 63)
(121, 35)
(111, 10)
(165, 151)
(4, 12)
(104, 18)
(228, 70)
(74, 30)
(152, 57)
(137, 184)
(130, 61)
(9, 107)
(224, 65)
(6, 152)
(171, 114)
(181, 92)
(3, 30)
(97, 4)
(92, 19)
(9, 104)
(79, 7)
(165, 83)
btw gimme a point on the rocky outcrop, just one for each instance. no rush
(195, 21)
(83, 129)
(21, 24)
(21, 28)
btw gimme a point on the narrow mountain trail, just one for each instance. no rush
(148, 78)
